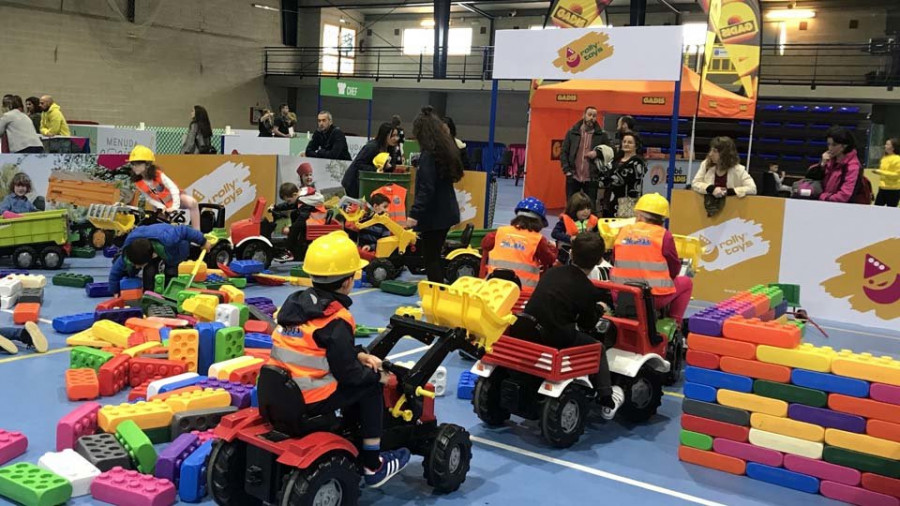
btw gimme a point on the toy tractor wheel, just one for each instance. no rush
(52, 257)
(100, 238)
(486, 400)
(225, 474)
(333, 480)
(255, 250)
(24, 257)
(643, 394)
(447, 462)
(219, 254)
(562, 419)
(380, 270)
(675, 355)
(463, 265)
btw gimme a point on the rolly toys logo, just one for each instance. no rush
(229, 184)
(870, 278)
(730, 243)
(584, 53)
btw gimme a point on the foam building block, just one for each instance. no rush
(71, 466)
(240, 393)
(79, 422)
(28, 484)
(184, 379)
(715, 429)
(103, 451)
(246, 267)
(827, 418)
(148, 326)
(721, 347)
(228, 315)
(702, 359)
(805, 356)
(192, 483)
(168, 463)
(138, 446)
(199, 399)
(709, 321)
(716, 412)
(699, 392)
(790, 393)
(233, 293)
(221, 370)
(758, 332)
(85, 338)
(752, 402)
(84, 357)
(247, 374)
(863, 443)
(31, 280)
(207, 350)
(718, 379)
(9, 302)
(865, 407)
(884, 393)
(12, 444)
(140, 349)
(97, 290)
(855, 495)
(257, 327)
(696, 440)
(26, 312)
(783, 477)
(71, 324)
(862, 461)
(184, 346)
(867, 367)
(113, 303)
(201, 306)
(123, 487)
(439, 381)
(830, 383)
(82, 384)
(119, 315)
(748, 452)
(229, 343)
(881, 484)
(111, 332)
(10, 287)
(186, 422)
(786, 444)
(204, 436)
(712, 460)
(142, 369)
(35, 295)
(465, 387)
(147, 415)
(822, 470)
(787, 427)
(755, 369)
(257, 340)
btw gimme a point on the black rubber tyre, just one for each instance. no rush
(52, 257)
(25, 257)
(380, 270)
(643, 395)
(562, 419)
(675, 354)
(225, 474)
(486, 400)
(255, 250)
(220, 253)
(333, 480)
(463, 265)
(447, 462)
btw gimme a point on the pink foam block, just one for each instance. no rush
(12, 444)
(854, 495)
(745, 451)
(885, 393)
(80, 422)
(823, 470)
(131, 488)
(204, 436)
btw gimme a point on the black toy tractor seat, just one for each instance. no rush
(282, 406)
(507, 274)
(626, 307)
(465, 239)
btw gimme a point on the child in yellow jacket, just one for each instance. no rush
(889, 171)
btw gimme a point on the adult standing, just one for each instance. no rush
(33, 110)
(397, 123)
(53, 123)
(384, 142)
(721, 175)
(843, 171)
(625, 182)
(328, 141)
(18, 128)
(463, 150)
(267, 124)
(577, 155)
(199, 136)
(624, 125)
(284, 122)
(435, 209)
(889, 171)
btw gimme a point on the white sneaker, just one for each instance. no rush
(618, 396)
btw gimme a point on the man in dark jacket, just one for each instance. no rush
(578, 155)
(328, 141)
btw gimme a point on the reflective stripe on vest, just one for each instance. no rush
(297, 352)
(639, 258)
(514, 249)
(396, 194)
(156, 188)
(575, 227)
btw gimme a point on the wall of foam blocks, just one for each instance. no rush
(761, 403)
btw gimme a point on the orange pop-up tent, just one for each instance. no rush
(556, 107)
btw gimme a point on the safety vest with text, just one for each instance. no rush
(639, 258)
(317, 216)
(296, 351)
(156, 189)
(514, 249)
(397, 207)
(576, 227)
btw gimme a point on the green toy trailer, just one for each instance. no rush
(36, 238)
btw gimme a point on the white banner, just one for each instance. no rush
(122, 141)
(243, 145)
(646, 53)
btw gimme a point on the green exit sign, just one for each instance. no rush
(344, 88)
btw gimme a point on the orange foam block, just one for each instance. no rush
(756, 331)
(864, 407)
(246, 375)
(883, 430)
(721, 346)
(26, 312)
(703, 359)
(712, 460)
(756, 369)
(150, 328)
(82, 384)
(881, 484)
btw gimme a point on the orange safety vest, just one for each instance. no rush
(639, 258)
(397, 207)
(297, 352)
(575, 227)
(156, 188)
(514, 250)
(317, 217)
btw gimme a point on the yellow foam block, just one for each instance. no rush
(786, 444)
(787, 427)
(224, 369)
(752, 402)
(141, 348)
(867, 367)
(202, 306)
(187, 267)
(234, 293)
(112, 333)
(863, 443)
(31, 280)
(199, 399)
(184, 345)
(805, 356)
(147, 415)
(85, 338)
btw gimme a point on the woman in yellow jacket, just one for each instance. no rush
(889, 186)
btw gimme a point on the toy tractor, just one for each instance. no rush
(36, 238)
(280, 454)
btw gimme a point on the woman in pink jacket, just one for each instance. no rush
(841, 166)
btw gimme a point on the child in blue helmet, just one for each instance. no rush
(519, 247)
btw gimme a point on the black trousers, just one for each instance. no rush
(590, 188)
(296, 239)
(889, 198)
(431, 243)
(602, 380)
(363, 402)
(149, 272)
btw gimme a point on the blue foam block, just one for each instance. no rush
(110, 251)
(164, 334)
(73, 323)
(246, 267)
(257, 340)
(118, 315)
(783, 477)
(254, 399)
(830, 383)
(7, 272)
(181, 384)
(130, 283)
(465, 389)
(718, 379)
(207, 352)
(192, 483)
(97, 290)
(700, 392)
(781, 309)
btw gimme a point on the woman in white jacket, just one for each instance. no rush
(721, 174)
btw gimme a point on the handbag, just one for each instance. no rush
(625, 207)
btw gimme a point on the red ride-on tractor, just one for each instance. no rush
(551, 386)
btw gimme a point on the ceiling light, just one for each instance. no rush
(265, 7)
(429, 23)
(790, 14)
(343, 20)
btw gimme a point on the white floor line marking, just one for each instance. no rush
(42, 320)
(596, 472)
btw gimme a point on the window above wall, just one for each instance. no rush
(338, 48)
(421, 41)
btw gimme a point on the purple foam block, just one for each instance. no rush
(885, 393)
(709, 322)
(748, 452)
(827, 418)
(240, 393)
(168, 464)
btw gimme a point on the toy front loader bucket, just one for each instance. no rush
(112, 218)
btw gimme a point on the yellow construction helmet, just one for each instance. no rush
(141, 154)
(332, 257)
(653, 203)
(379, 160)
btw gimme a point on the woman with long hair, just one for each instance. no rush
(267, 123)
(33, 110)
(385, 141)
(17, 127)
(721, 174)
(435, 208)
(626, 180)
(199, 137)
